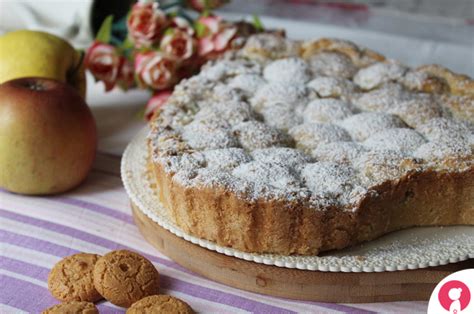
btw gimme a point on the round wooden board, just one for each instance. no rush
(308, 285)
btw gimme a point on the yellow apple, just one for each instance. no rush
(48, 136)
(26, 53)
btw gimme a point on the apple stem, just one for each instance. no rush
(34, 86)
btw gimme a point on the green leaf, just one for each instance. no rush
(207, 5)
(257, 23)
(127, 44)
(105, 30)
(169, 31)
(200, 29)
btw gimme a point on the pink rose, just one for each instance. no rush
(155, 70)
(182, 24)
(216, 35)
(104, 62)
(178, 44)
(201, 5)
(145, 24)
(156, 102)
(126, 78)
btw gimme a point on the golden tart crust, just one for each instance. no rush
(297, 148)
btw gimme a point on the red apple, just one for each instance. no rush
(48, 136)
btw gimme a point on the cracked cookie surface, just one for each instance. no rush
(160, 304)
(124, 277)
(71, 278)
(72, 307)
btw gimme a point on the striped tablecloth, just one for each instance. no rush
(36, 232)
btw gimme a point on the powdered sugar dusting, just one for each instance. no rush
(266, 123)
(326, 110)
(293, 158)
(437, 151)
(280, 115)
(227, 158)
(209, 134)
(229, 68)
(415, 247)
(363, 125)
(339, 152)
(332, 64)
(255, 134)
(381, 165)
(268, 46)
(329, 180)
(417, 110)
(249, 83)
(459, 106)
(335, 87)
(404, 140)
(444, 130)
(382, 99)
(309, 135)
(232, 113)
(268, 178)
(379, 73)
(273, 92)
(291, 70)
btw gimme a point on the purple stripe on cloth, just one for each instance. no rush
(35, 244)
(84, 236)
(27, 269)
(40, 273)
(94, 207)
(113, 246)
(124, 217)
(32, 298)
(340, 307)
(183, 286)
(166, 282)
(108, 211)
(219, 297)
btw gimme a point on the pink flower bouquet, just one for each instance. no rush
(162, 45)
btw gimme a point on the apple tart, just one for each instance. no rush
(292, 147)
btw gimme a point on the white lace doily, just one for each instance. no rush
(406, 249)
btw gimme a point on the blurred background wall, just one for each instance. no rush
(444, 29)
(446, 20)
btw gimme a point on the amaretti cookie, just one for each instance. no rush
(71, 278)
(124, 277)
